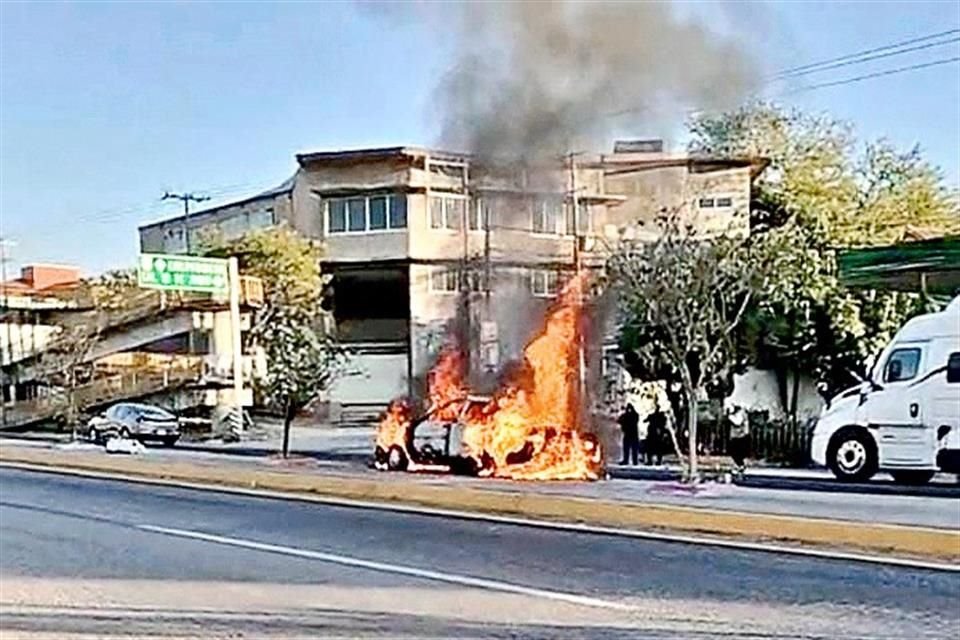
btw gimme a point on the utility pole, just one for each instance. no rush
(578, 267)
(6, 354)
(186, 199)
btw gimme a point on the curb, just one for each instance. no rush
(895, 540)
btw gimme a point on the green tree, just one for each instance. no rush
(302, 357)
(682, 298)
(820, 193)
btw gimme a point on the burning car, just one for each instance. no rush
(529, 429)
(432, 442)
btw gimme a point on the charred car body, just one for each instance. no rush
(434, 441)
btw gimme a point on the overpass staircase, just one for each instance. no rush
(118, 370)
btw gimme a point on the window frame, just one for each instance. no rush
(479, 213)
(389, 197)
(444, 199)
(890, 358)
(449, 274)
(559, 214)
(547, 275)
(714, 202)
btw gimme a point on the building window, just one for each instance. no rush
(398, 211)
(444, 280)
(718, 202)
(583, 221)
(447, 212)
(473, 281)
(544, 283)
(356, 214)
(336, 216)
(378, 213)
(547, 215)
(363, 214)
(262, 218)
(479, 214)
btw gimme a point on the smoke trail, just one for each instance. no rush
(538, 78)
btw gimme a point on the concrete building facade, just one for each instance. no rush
(425, 244)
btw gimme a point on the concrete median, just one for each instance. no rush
(885, 539)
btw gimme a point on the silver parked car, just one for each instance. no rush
(141, 422)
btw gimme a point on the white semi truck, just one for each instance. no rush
(905, 417)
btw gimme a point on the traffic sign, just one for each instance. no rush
(183, 273)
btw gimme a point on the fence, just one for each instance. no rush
(773, 441)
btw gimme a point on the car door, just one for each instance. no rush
(944, 403)
(895, 411)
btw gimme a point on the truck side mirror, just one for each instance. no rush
(953, 368)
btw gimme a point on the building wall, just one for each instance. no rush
(223, 223)
(651, 192)
(757, 390)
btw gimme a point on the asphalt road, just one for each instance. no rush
(86, 558)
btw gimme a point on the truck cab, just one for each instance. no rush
(905, 417)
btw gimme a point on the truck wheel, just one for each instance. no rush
(397, 459)
(915, 478)
(852, 456)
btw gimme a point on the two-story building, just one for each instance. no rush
(426, 244)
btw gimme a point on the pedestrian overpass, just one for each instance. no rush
(170, 348)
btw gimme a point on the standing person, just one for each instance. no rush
(629, 422)
(656, 434)
(739, 437)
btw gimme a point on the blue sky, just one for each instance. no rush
(104, 106)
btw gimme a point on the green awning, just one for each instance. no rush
(929, 265)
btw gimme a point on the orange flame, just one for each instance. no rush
(529, 430)
(394, 425)
(445, 386)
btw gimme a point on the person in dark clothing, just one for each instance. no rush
(629, 422)
(739, 437)
(656, 435)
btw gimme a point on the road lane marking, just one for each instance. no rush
(439, 576)
(435, 512)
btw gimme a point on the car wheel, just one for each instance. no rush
(93, 435)
(169, 441)
(915, 478)
(397, 459)
(852, 456)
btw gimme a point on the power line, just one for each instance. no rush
(865, 52)
(878, 56)
(888, 72)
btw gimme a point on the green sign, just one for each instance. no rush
(183, 273)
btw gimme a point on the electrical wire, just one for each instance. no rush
(877, 74)
(866, 52)
(878, 56)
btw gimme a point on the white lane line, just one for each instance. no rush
(657, 536)
(439, 576)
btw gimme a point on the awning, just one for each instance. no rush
(932, 266)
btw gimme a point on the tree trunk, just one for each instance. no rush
(288, 414)
(691, 393)
(794, 401)
(72, 406)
